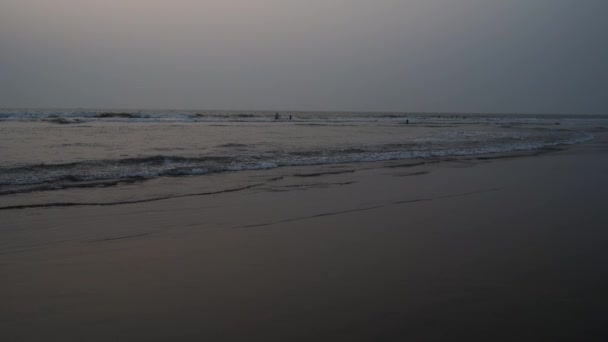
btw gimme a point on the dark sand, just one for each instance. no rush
(510, 249)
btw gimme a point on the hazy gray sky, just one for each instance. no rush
(532, 56)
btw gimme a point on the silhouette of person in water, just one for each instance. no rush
(407, 122)
(276, 116)
(290, 117)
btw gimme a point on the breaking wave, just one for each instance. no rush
(302, 118)
(103, 173)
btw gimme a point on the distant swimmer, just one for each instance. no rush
(407, 122)
(276, 116)
(290, 117)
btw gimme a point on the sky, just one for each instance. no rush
(507, 56)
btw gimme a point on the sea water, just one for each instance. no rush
(44, 151)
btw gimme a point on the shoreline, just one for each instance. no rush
(274, 174)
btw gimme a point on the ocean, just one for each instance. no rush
(54, 156)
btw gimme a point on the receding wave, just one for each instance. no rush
(112, 169)
(104, 173)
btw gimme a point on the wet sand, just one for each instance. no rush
(482, 249)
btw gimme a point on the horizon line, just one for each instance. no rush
(132, 109)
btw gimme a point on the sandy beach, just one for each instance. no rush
(472, 248)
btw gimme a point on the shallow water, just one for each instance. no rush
(45, 151)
